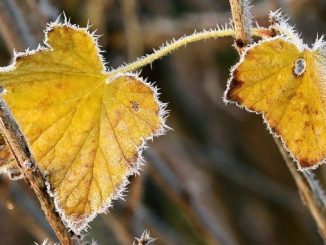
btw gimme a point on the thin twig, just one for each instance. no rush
(241, 23)
(32, 174)
(310, 191)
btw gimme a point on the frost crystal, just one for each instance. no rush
(299, 67)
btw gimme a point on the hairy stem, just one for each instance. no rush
(169, 48)
(241, 23)
(27, 166)
(182, 42)
(310, 190)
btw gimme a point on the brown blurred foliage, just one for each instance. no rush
(217, 178)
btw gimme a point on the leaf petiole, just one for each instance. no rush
(182, 42)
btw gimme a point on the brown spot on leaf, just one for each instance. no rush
(275, 130)
(19, 59)
(298, 141)
(305, 162)
(239, 43)
(307, 110)
(134, 105)
(133, 160)
(49, 31)
(234, 85)
(59, 85)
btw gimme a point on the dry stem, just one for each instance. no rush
(32, 174)
(240, 24)
(309, 189)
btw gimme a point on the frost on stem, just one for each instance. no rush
(247, 15)
(280, 26)
(169, 47)
(277, 17)
(145, 239)
(241, 22)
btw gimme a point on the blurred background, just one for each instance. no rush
(217, 177)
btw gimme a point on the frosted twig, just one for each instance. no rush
(241, 20)
(310, 190)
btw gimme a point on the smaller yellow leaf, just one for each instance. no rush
(285, 81)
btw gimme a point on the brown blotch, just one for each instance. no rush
(134, 105)
(239, 43)
(66, 27)
(307, 110)
(132, 161)
(45, 103)
(298, 95)
(298, 141)
(289, 97)
(129, 77)
(234, 85)
(19, 59)
(59, 85)
(275, 130)
(305, 162)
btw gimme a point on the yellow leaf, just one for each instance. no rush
(286, 83)
(86, 128)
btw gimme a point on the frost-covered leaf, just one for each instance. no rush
(85, 127)
(285, 81)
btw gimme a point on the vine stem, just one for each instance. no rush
(310, 190)
(32, 174)
(241, 23)
(170, 47)
(182, 42)
(312, 194)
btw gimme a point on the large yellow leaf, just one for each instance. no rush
(85, 128)
(286, 83)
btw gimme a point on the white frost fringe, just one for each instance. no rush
(144, 239)
(247, 15)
